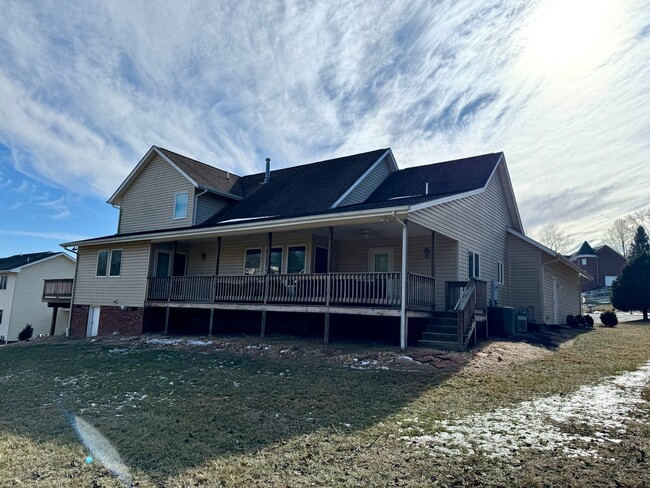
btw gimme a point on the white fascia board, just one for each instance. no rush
(27, 265)
(550, 252)
(363, 177)
(508, 181)
(321, 219)
(134, 172)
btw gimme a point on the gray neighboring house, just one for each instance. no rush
(430, 246)
(22, 284)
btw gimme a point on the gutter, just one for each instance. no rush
(312, 219)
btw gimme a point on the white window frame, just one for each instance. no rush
(286, 261)
(283, 264)
(583, 261)
(187, 204)
(501, 272)
(380, 250)
(474, 255)
(108, 263)
(4, 280)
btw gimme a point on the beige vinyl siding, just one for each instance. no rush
(148, 203)
(479, 224)
(197, 265)
(354, 255)
(525, 276)
(568, 290)
(446, 266)
(6, 302)
(28, 307)
(207, 205)
(231, 261)
(368, 184)
(128, 289)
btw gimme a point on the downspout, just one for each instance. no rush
(196, 203)
(74, 287)
(119, 217)
(403, 319)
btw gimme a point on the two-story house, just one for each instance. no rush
(602, 262)
(353, 235)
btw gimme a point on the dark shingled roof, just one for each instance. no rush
(204, 175)
(585, 250)
(22, 259)
(305, 189)
(447, 178)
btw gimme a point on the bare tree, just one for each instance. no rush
(555, 238)
(640, 218)
(620, 235)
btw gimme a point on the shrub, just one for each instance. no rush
(589, 320)
(609, 318)
(571, 321)
(26, 333)
(580, 319)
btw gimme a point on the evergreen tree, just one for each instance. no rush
(640, 245)
(631, 290)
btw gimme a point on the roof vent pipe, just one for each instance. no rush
(267, 176)
(426, 188)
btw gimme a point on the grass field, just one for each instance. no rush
(272, 413)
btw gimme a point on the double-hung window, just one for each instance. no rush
(473, 264)
(109, 263)
(296, 259)
(501, 275)
(3, 282)
(253, 262)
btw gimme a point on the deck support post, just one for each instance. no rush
(55, 310)
(211, 321)
(404, 298)
(328, 286)
(263, 326)
(167, 320)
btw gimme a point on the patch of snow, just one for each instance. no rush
(604, 409)
(165, 342)
(406, 358)
(199, 343)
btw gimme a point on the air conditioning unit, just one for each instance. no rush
(522, 323)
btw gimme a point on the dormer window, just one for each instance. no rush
(180, 205)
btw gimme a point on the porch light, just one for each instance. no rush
(427, 252)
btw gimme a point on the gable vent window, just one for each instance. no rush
(473, 264)
(3, 282)
(180, 205)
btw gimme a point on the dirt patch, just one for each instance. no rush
(500, 354)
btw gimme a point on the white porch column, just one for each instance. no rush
(403, 318)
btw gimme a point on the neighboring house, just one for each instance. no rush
(601, 262)
(352, 235)
(21, 293)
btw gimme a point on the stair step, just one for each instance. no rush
(447, 346)
(444, 321)
(437, 336)
(442, 329)
(446, 315)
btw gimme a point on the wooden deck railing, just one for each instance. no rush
(453, 291)
(473, 298)
(382, 289)
(421, 291)
(57, 289)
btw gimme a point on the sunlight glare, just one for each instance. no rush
(567, 34)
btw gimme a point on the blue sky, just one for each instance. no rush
(86, 88)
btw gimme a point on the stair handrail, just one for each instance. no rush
(465, 309)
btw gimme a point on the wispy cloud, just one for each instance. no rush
(89, 88)
(57, 236)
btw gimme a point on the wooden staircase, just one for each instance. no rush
(452, 330)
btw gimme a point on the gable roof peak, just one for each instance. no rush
(585, 250)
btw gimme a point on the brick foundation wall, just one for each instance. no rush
(111, 319)
(78, 320)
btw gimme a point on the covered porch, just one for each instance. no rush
(382, 267)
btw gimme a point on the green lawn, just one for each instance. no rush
(218, 416)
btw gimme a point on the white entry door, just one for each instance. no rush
(93, 322)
